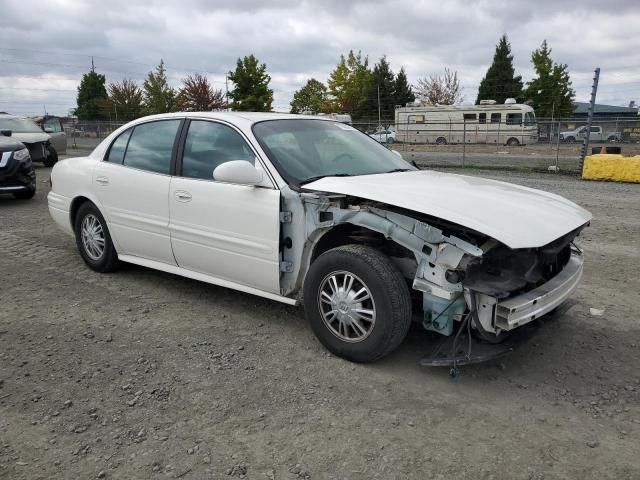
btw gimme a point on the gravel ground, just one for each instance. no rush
(141, 374)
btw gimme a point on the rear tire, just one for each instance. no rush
(357, 302)
(513, 142)
(390, 140)
(441, 141)
(93, 239)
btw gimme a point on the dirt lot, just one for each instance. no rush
(141, 374)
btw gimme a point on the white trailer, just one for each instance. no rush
(509, 123)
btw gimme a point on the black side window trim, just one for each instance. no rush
(108, 152)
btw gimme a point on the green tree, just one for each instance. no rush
(550, 91)
(349, 85)
(92, 101)
(312, 97)
(381, 85)
(125, 99)
(501, 82)
(159, 96)
(402, 90)
(251, 92)
(197, 95)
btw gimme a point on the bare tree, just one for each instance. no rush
(126, 99)
(440, 89)
(197, 95)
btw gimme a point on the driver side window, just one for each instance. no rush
(210, 144)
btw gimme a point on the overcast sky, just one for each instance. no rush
(45, 46)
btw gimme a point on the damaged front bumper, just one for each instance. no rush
(522, 309)
(505, 315)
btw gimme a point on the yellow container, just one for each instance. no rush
(616, 168)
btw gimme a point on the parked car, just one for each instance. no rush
(17, 176)
(28, 132)
(596, 135)
(53, 126)
(384, 135)
(292, 207)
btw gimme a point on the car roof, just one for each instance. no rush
(235, 117)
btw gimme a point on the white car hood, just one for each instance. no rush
(34, 137)
(519, 217)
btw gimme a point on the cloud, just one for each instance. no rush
(303, 39)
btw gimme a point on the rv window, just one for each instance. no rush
(416, 118)
(469, 117)
(482, 118)
(514, 118)
(496, 117)
(529, 118)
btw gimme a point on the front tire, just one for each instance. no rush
(357, 303)
(52, 159)
(513, 142)
(93, 239)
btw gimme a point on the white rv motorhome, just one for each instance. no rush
(510, 123)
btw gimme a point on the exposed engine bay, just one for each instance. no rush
(455, 274)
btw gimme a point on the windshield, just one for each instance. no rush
(305, 150)
(529, 118)
(19, 125)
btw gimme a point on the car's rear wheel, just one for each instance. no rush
(390, 140)
(357, 302)
(93, 239)
(52, 158)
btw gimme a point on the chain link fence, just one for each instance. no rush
(542, 145)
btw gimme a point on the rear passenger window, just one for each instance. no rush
(151, 145)
(116, 152)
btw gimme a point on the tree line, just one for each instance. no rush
(353, 87)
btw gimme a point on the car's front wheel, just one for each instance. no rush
(52, 158)
(357, 302)
(93, 239)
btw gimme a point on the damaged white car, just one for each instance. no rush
(295, 208)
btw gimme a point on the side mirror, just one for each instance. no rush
(48, 130)
(5, 133)
(238, 171)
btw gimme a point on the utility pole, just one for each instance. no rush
(379, 120)
(592, 103)
(226, 89)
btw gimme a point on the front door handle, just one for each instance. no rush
(182, 196)
(102, 180)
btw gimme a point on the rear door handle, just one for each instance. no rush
(102, 180)
(182, 196)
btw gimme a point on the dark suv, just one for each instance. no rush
(16, 170)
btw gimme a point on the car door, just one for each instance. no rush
(53, 127)
(224, 230)
(132, 184)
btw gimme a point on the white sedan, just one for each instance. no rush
(298, 208)
(384, 136)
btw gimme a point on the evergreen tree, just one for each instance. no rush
(312, 97)
(402, 90)
(251, 92)
(349, 85)
(92, 101)
(550, 91)
(382, 82)
(501, 82)
(159, 96)
(125, 100)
